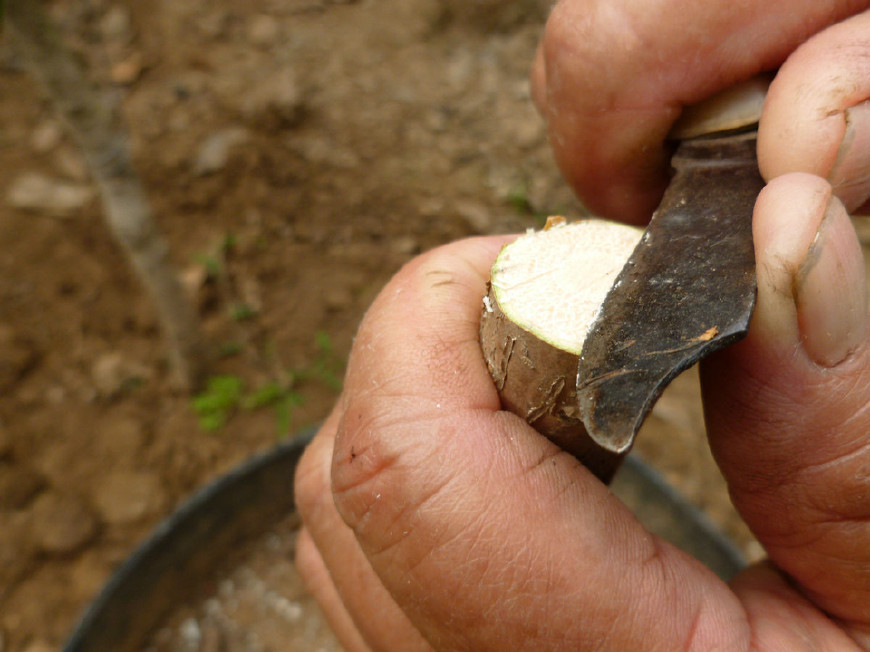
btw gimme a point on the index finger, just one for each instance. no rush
(612, 77)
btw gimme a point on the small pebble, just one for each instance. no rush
(191, 634)
(214, 153)
(263, 30)
(71, 164)
(115, 24)
(127, 497)
(476, 214)
(36, 192)
(127, 71)
(275, 101)
(60, 523)
(112, 372)
(46, 136)
(406, 245)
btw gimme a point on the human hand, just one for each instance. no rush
(612, 76)
(434, 520)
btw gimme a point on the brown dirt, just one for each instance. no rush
(296, 152)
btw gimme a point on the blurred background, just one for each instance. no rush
(294, 154)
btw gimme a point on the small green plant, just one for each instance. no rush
(241, 311)
(227, 394)
(214, 262)
(220, 398)
(280, 398)
(326, 366)
(229, 349)
(518, 198)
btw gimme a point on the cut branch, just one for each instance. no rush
(544, 293)
(92, 116)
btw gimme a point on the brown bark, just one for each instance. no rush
(537, 381)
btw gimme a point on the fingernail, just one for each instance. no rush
(850, 174)
(830, 290)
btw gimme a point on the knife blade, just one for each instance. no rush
(687, 290)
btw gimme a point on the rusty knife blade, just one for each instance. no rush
(687, 290)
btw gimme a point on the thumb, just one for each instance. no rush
(788, 408)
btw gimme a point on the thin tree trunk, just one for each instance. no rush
(92, 116)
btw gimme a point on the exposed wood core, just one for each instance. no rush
(544, 293)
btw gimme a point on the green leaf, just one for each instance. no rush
(213, 406)
(228, 349)
(212, 422)
(284, 411)
(242, 311)
(323, 342)
(228, 243)
(264, 395)
(212, 264)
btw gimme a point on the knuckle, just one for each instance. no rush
(383, 482)
(361, 463)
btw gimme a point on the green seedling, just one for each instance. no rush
(228, 243)
(229, 349)
(242, 311)
(327, 366)
(213, 265)
(214, 262)
(220, 398)
(280, 398)
(225, 395)
(518, 198)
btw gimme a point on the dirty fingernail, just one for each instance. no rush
(850, 174)
(830, 290)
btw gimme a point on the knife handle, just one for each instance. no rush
(734, 109)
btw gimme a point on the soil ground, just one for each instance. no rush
(296, 154)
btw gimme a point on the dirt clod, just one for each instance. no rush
(112, 372)
(60, 524)
(33, 191)
(263, 30)
(276, 101)
(46, 136)
(120, 437)
(125, 497)
(18, 485)
(214, 153)
(116, 24)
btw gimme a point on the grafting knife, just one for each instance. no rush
(688, 288)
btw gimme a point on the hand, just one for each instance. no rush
(612, 76)
(433, 520)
